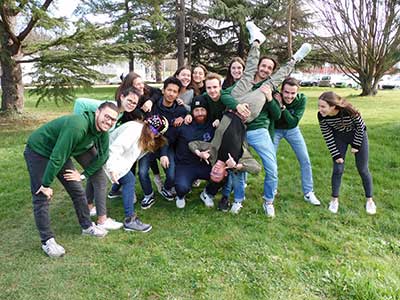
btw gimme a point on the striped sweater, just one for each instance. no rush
(343, 123)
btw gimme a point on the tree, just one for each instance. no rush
(362, 38)
(62, 61)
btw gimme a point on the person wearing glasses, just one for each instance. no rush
(96, 187)
(48, 155)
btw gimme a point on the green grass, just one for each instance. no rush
(198, 253)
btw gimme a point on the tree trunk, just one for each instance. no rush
(158, 69)
(180, 31)
(367, 88)
(131, 62)
(12, 98)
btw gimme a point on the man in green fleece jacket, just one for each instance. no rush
(293, 105)
(48, 155)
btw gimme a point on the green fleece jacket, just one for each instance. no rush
(217, 108)
(69, 136)
(271, 111)
(293, 113)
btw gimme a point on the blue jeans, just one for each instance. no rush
(261, 141)
(127, 182)
(144, 167)
(235, 181)
(296, 141)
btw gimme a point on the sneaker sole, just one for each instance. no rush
(148, 206)
(315, 204)
(144, 231)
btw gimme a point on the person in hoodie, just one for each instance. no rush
(293, 105)
(48, 155)
(167, 107)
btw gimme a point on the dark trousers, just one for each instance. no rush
(36, 166)
(185, 175)
(342, 143)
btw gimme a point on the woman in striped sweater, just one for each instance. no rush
(341, 125)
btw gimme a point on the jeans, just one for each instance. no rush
(235, 181)
(261, 141)
(127, 182)
(36, 165)
(187, 174)
(96, 185)
(144, 166)
(295, 139)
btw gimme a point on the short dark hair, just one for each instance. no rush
(270, 58)
(109, 105)
(290, 81)
(172, 80)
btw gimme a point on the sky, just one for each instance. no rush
(64, 8)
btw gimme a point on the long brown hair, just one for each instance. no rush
(340, 103)
(229, 81)
(149, 142)
(128, 82)
(194, 85)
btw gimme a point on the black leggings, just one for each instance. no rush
(342, 142)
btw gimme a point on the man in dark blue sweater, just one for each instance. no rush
(188, 166)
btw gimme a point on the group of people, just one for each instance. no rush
(198, 127)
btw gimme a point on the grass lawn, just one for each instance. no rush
(198, 253)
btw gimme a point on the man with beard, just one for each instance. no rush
(188, 166)
(293, 105)
(48, 155)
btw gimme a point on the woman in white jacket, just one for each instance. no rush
(128, 143)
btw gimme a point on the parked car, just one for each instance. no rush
(345, 81)
(393, 83)
(310, 81)
(327, 81)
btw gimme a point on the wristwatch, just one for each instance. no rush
(83, 177)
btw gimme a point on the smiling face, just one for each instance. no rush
(105, 119)
(236, 70)
(325, 109)
(184, 76)
(129, 102)
(213, 88)
(139, 85)
(265, 69)
(289, 93)
(170, 93)
(198, 75)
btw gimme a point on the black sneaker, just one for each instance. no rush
(112, 194)
(168, 194)
(134, 224)
(148, 202)
(224, 204)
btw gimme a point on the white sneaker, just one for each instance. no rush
(52, 249)
(95, 230)
(180, 202)
(158, 182)
(110, 224)
(236, 207)
(370, 207)
(255, 33)
(93, 211)
(311, 198)
(269, 209)
(302, 52)
(207, 199)
(333, 206)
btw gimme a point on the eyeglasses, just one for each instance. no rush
(132, 102)
(109, 118)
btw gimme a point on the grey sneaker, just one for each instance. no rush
(148, 201)
(269, 209)
(52, 249)
(207, 199)
(255, 33)
(134, 224)
(94, 230)
(302, 52)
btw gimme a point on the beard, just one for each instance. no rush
(200, 119)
